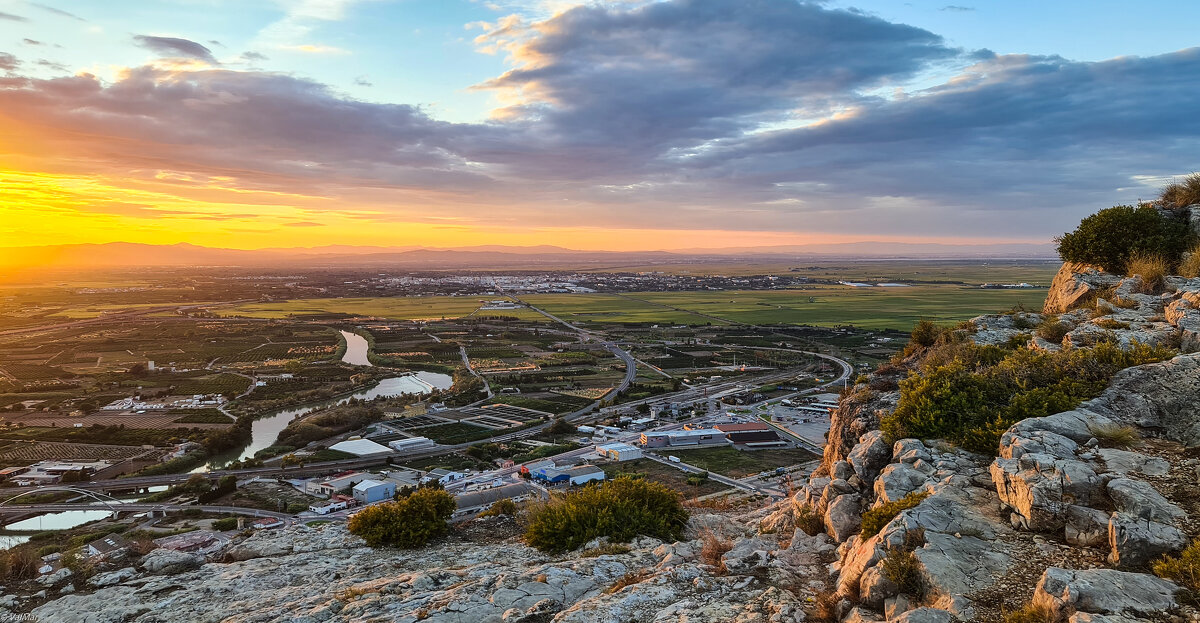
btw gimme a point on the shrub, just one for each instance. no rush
(18, 564)
(1031, 614)
(619, 509)
(1053, 330)
(502, 507)
(1110, 237)
(876, 518)
(1181, 194)
(408, 522)
(225, 523)
(1184, 569)
(971, 394)
(809, 520)
(1115, 435)
(903, 567)
(1189, 266)
(1153, 270)
(1110, 324)
(629, 579)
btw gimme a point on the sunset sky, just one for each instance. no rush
(611, 125)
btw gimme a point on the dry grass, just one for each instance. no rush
(1190, 265)
(713, 549)
(1031, 614)
(1115, 435)
(825, 610)
(1053, 330)
(1182, 193)
(611, 549)
(1111, 324)
(1184, 570)
(1153, 269)
(629, 579)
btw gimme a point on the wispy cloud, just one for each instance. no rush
(12, 18)
(59, 12)
(176, 47)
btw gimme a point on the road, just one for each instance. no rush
(462, 350)
(137, 507)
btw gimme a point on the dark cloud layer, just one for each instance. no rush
(759, 114)
(175, 47)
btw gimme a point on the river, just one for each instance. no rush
(265, 430)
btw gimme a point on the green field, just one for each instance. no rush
(870, 308)
(397, 308)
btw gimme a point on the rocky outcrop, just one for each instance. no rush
(856, 415)
(1074, 284)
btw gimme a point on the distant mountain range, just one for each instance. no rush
(124, 254)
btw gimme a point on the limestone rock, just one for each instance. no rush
(1085, 527)
(1075, 283)
(1136, 541)
(1103, 591)
(100, 580)
(1125, 462)
(874, 587)
(169, 562)
(55, 578)
(1136, 498)
(869, 456)
(844, 516)
(925, 615)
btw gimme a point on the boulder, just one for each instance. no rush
(170, 562)
(1085, 527)
(844, 516)
(1039, 488)
(874, 587)
(1103, 591)
(1136, 498)
(842, 470)
(111, 578)
(748, 555)
(898, 480)
(1075, 284)
(55, 578)
(1125, 462)
(870, 455)
(861, 615)
(1136, 541)
(925, 615)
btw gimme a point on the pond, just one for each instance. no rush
(266, 429)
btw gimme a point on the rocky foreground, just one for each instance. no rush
(1056, 520)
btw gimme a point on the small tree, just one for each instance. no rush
(408, 522)
(1110, 237)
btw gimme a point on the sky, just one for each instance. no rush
(622, 125)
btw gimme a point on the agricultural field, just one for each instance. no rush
(394, 308)
(665, 474)
(611, 309)
(26, 452)
(1037, 272)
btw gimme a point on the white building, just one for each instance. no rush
(584, 474)
(361, 447)
(369, 491)
(412, 444)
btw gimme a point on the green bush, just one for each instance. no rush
(225, 523)
(504, 507)
(1110, 237)
(408, 522)
(1053, 330)
(875, 519)
(971, 394)
(619, 509)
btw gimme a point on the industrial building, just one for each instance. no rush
(701, 437)
(411, 444)
(584, 474)
(477, 501)
(361, 447)
(619, 451)
(370, 491)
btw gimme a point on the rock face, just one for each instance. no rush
(1075, 283)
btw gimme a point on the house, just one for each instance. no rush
(584, 474)
(370, 491)
(267, 523)
(325, 509)
(361, 447)
(107, 547)
(443, 476)
(477, 501)
(333, 484)
(201, 541)
(619, 451)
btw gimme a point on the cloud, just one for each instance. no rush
(12, 18)
(304, 224)
(176, 47)
(253, 56)
(957, 8)
(58, 12)
(8, 62)
(714, 114)
(363, 82)
(59, 67)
